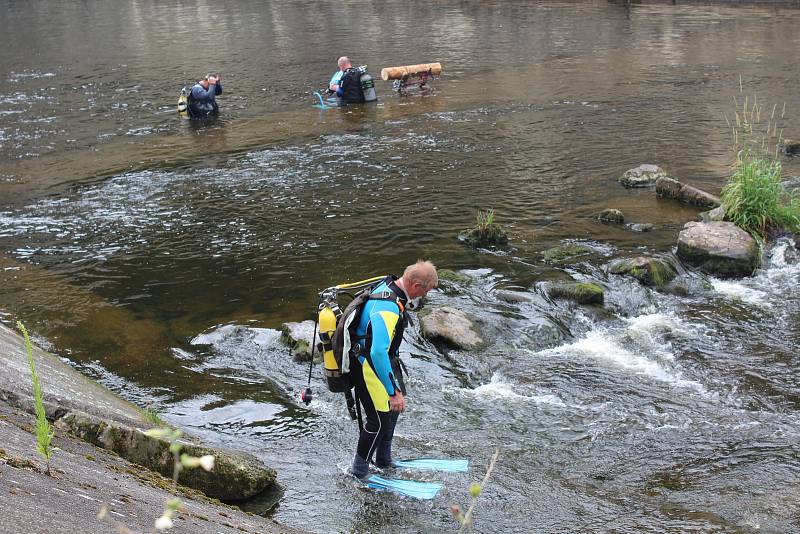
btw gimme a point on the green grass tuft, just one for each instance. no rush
(44, 434)
(755, 200)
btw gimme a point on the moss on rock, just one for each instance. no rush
(565, 253)
(649, 271)
(489, 236)
(580, 292)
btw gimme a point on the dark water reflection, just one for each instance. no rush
(160, 258)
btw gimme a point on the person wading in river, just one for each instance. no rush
(375, 369)
(203, 97)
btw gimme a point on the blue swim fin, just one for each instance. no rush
(409, 488)
(460, 465)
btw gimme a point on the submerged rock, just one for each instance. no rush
(580, 292)
(719, 248)
(611, 215)
(649, 271)
(717, 214)
(299, 337)
(791, 147)
(513, 297)
(671, 188)
(642, 176)
(449, 326)
(640, 227)
(565, 253)
(452, 282)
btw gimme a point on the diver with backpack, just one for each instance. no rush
(200, 102)
(353, 85)
(361, 355)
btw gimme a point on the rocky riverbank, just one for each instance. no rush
(101, 458)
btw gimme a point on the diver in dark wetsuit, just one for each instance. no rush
(203, 97)
(375, 366)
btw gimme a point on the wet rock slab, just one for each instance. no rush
(86, 479)
(718, 248)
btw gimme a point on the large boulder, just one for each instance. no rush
(300, 338)
(642, 176)
(450, 327)
(649, 271)
(719, 248)
(671, 188)
(580, 292)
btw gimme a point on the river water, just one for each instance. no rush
(162, 258)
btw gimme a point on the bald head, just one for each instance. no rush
(422, 273)
(344, 63)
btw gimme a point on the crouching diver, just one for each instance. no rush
(202, 101)
(374, 362)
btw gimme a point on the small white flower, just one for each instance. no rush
(164, 522)
(207, 462)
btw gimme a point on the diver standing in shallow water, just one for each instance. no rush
(202, 99)
(375, 368)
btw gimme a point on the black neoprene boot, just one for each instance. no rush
(360, 467)
(383, 456)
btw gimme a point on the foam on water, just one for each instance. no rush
(499, 387)
(645, 356)
(738, 290)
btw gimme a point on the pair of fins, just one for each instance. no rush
(416, 488)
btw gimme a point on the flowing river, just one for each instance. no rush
(162, 259)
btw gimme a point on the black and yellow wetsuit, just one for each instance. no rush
(375, 372)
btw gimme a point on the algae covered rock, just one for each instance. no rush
(483, 237)
(642, 176)
(452, 282)
(236, 476)
(649, 271)
(580, 292)
(299, 337)
(791, 147)
(486, 232)
(566, 252)
(450, 327)
(671, 188)
(611, 215)
(719, 248)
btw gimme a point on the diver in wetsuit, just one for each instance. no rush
(203, 97)
(375, 366)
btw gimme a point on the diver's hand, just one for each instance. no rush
(397, 403)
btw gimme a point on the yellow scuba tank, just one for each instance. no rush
(328, 314)
(183, 104)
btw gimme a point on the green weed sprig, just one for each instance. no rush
(44, 434)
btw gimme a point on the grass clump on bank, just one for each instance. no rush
(44, 434)
(755, 200)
